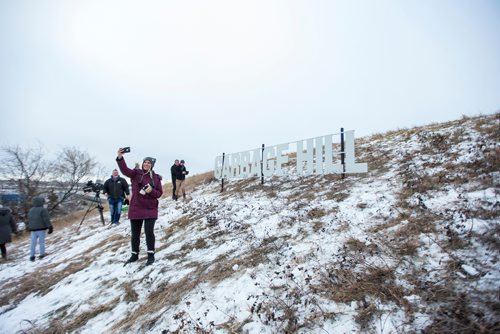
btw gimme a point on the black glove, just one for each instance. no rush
(51, 229)
(187, 172)
(126, 202)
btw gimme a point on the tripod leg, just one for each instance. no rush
(100, 208)
(85, 215)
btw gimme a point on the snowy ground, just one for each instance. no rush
(380, 253)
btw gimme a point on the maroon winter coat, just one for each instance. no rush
(142, 206)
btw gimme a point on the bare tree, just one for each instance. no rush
(27, 169)
(70, 168)
(32, 175)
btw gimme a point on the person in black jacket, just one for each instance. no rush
(7, 227)
(116, 188)
(173, 172)
(180, 177)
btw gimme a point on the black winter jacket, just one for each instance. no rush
(178, 172)
(7, 225)
(173, 172)
(116, 188)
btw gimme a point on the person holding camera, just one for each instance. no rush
(38, 223)
(116, 188)
(7, 227)
(180, 177)
(143, 209)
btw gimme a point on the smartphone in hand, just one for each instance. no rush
(126, 149)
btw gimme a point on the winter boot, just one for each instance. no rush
(134, 257)
(32, 258)
(41, 256)
(151, 259)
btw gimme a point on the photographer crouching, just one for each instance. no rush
(116, 188)
(146, 189)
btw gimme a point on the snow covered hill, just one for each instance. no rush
(410, 247)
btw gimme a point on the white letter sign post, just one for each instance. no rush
(313, 156)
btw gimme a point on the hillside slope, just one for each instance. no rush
(412, 246)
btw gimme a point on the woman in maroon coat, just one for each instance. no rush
(146, 190)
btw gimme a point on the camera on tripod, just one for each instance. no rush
(94, 187)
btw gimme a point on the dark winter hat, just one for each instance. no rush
(152, 160)
(182, 161)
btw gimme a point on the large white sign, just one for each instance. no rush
(303, 157)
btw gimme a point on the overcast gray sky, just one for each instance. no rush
(192, 79)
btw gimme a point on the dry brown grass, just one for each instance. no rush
(130, 293)
(179, 224)
(112, 243)
(459, 317)
(356, 280)
(346, 285)
(366, 312)
(200, 243)
(56, 327)
(59, 222)
(192, 181)
(64, 326)
(168, 294)
(355, 245)
(40, 283)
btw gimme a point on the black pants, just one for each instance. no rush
(174, 188)
(149, 230)
(4, 250)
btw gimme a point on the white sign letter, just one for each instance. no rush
(306, 157)
(281, 158)
(218, 167)
(350, 165)
(269, 161)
